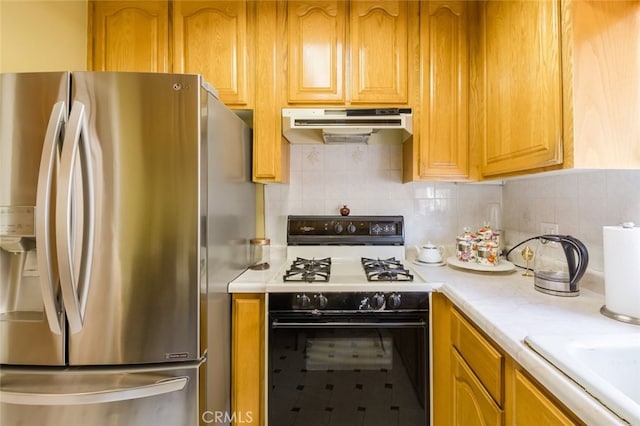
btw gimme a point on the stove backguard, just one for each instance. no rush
(345, 230)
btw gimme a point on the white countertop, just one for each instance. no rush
(506, 306)
(256, 281)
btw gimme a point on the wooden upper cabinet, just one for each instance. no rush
(130, 36)
(316, 43)
(215, 39)
(212, 38)
(379, 51)
(602, 110)
(521, 88)
(270, 148)
(342, 52)
(555, 86)
(443, 138)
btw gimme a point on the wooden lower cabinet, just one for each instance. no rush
(532, 406)
(476, 383)
(247, 359)
(472, 404)
(486, 362)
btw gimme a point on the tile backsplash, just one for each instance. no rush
(368, 179)
(579, 202)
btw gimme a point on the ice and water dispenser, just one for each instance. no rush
(20, 296)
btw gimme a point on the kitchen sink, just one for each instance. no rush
(606, 366)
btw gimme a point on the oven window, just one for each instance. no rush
(348, 376)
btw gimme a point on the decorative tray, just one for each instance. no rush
(502, 266)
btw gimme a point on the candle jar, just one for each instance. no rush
(260, 252)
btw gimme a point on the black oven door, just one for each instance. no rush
(348, 368)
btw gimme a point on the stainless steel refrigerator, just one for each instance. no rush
(126, 206)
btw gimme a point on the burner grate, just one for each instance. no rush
(309, 270)
(390, 269)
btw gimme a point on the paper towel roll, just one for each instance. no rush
(621, 245)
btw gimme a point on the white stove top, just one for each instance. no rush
(347, 272)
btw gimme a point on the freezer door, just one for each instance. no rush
(141, 302)
(159, 396)
(33, 113)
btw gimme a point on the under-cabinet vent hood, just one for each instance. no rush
(347, 125)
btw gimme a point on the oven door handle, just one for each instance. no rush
(349, 324)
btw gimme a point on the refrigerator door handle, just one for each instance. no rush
(155, 387)
(75, 277)
(46, 265)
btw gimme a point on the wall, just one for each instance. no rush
(367, 178)
(1, 34)
(45, 35)
(581, 203)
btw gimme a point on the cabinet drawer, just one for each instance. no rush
(485, 361)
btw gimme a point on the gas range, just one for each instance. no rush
(347, 303)
(339, 254)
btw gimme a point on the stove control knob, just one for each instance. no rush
(351, 228)
(321, 300)
(303, 301)
(377, 301)
(394, 301)
(364, 304)
(338, 228)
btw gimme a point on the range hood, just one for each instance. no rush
(347, 125)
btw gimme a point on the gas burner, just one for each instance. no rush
(309, 270)
(390, 269)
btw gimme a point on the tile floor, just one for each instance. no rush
(374, 391)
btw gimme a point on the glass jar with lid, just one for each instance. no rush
(260, 252)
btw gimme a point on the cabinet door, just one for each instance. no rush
(472, 404)
(130, 36)
(379, 51)
(443, 149)
(532, 408)
(521, 111)
(270, 148)
(316, 43)
(214, 38)
(247, 357)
